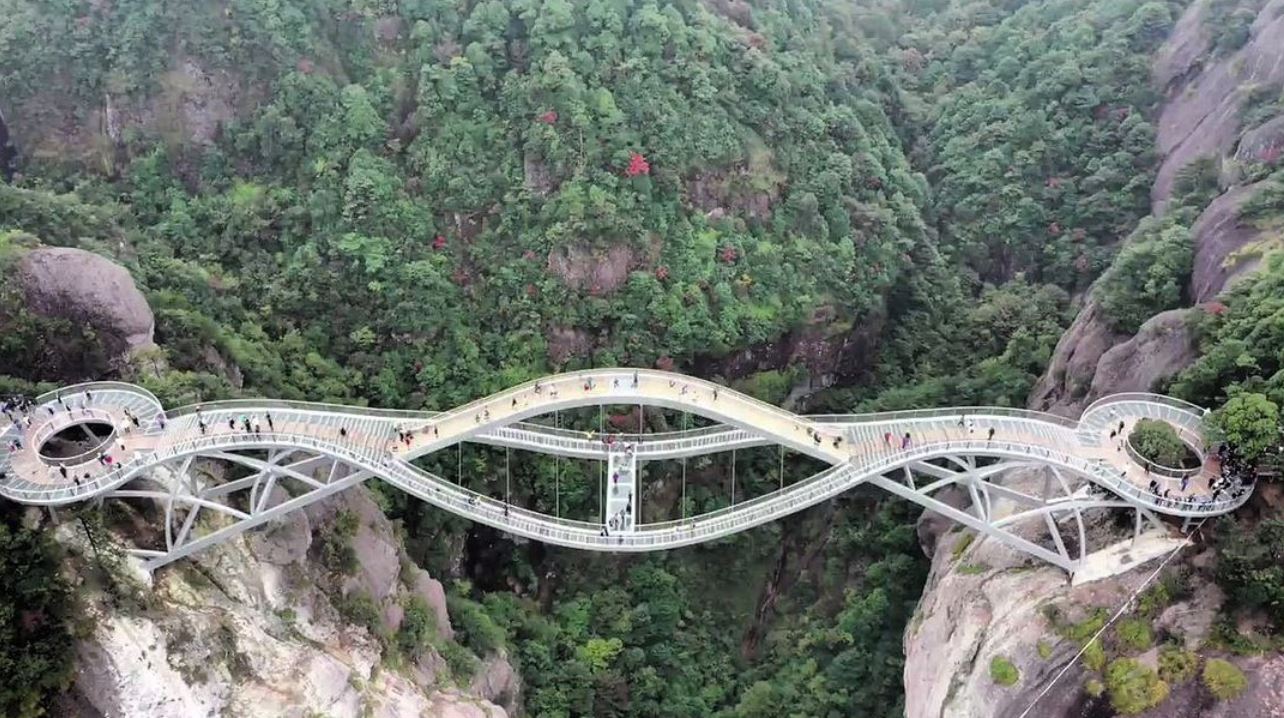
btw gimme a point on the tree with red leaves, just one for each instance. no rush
(549, 117)
(662, 273)
(637, 166)
(439, 242)
(729, 255)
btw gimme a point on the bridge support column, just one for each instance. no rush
(621, 500)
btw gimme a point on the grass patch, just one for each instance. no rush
(1133, 687)
(1176, 665)
(1003, 672)
(1094, 656)
(1223, 679)
(972, 569)
(1045, 649)
(961, 546)
(1134, 633)
(1085, 629)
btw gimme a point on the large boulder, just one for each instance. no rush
(82, 286)
(497, 682)
(1263, 144)
(1163, 346)
(431, 592)
(1063, 388)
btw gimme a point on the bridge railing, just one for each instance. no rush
(62, 422)
(96, 386)
(743, 507)
(625, 377)
(1147, 397)
(259, 405)
(975, 412)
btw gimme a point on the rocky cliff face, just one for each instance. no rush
(1201, 117)
(984, 603)
(254, 627)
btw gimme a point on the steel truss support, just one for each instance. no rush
(995, 510)
(242, 503)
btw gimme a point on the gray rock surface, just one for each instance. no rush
(1063, 388)
(965, 620)
(285, 540)
(83, 286)
(1220, 237)
(246, 628)
(599, 272)
(1201, 112)
(429, 589)
(496, 682)
(1263, 144)
(1163, 346)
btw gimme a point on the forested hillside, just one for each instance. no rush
(410, 203)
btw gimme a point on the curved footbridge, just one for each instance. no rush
(296, 453)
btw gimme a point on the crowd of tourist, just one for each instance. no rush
(1234, 479)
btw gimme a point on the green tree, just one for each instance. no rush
(1148, 275)
(1158, 442)
(1250, 567)
(1250, 422)
(36, 610)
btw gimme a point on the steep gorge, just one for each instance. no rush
(408, 205)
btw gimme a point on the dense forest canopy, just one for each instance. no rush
(411, 203)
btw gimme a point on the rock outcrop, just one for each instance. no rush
(985, 602)
(1092, 361)
(189, 105)
(1201, 111)
(1063, 388)
(1221, 238)
(253, 627)
(1200, 117)
(85, 287)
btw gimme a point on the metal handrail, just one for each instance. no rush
(48, 429)
(1145, 397)
(82, 387)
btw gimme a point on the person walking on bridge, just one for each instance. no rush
(991, 436)
(905, 442)
(887, 438)
(271, 426)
